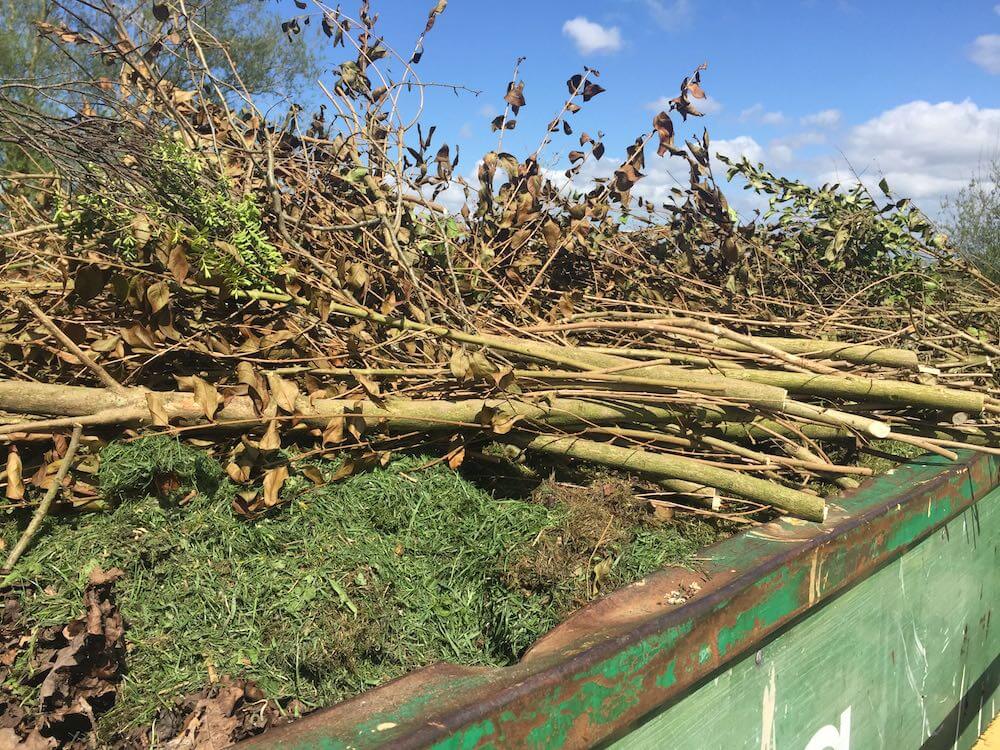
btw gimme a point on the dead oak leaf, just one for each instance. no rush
(211, 724)
(81, 670)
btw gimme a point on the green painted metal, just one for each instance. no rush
(616, 665)
(881, 666)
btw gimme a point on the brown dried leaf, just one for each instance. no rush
(480, 365)
(314, 475)
(436, 11)
(590, 90)
(89, 281)
(207, 396)
(80, 671)
(15, 482)
(502, 424)
(285, 392)
(138, 337)
(211, 723)
(664, 127)
(357, 276)
(552, 233)
(10, 740)
(626, 177)
(177, 264)
(245, 374)
(239, 473)
(370, 386)
(345, 469)
(486, 415)
(274, 479)
(271, 439)
(106, 344)
(158, 295)
(515, 96)
(334, 432)
(157, 412)
(443, 161)
(504, 377)
(460, 364)
(456, 457)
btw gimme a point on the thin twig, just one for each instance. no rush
(43, 508)
(103, 375)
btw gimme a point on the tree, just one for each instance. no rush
(250, 31)
(246, 32)
(972, 219)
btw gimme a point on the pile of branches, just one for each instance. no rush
(175, 258)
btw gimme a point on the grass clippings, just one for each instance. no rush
(347, 586)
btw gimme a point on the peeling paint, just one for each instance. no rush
(768, 740)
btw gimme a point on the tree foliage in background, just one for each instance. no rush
(248, 29)
(972, 219)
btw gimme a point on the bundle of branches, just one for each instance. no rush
(176, 259)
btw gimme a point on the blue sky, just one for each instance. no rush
(815, 88)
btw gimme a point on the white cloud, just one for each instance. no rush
(465, 132)
(738, 147)
(806, 138)
(591, 37)
(985, 53)
(757, 113)
(996, 9)
(825, 118)
(672, 15)
(782, 155)
(488, 111)
(707, 106)
(925, 151)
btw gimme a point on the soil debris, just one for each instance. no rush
(215, 717)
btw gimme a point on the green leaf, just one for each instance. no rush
(356, 175)
(344, 598)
